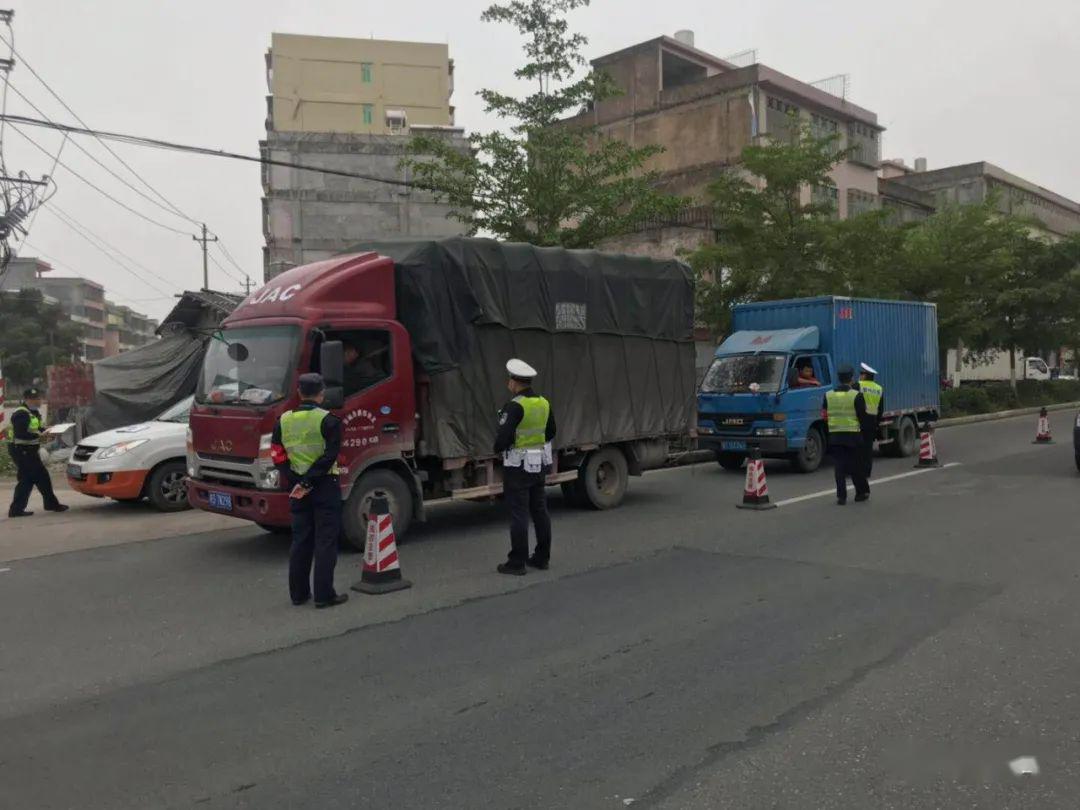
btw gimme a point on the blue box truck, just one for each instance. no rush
(752, 397)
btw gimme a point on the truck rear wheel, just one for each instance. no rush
(809, 457)
(906, 442)
(603, 478)
(398, 498)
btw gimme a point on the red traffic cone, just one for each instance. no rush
(756, 490)
(1042, 433)
(382, 569)
(927, 448)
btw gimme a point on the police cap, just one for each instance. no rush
(845, 373)
(32, 393)
(520, 370)
(867, 368)
(311, 384)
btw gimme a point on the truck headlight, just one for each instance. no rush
(269, 479)
(120, 448)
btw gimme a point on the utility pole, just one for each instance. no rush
(205, 268)
(247, 284)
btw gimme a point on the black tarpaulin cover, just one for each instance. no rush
(137, 385)
(611, 335)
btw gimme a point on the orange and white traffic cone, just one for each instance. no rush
(382, 569)
(1042, 433)
(756, 490)
(927, 448)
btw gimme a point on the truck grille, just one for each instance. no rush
(83, 452)
(215, 469)
(732, 423)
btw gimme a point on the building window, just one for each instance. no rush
(859, 202)
(781, 119)
(864, 145)
(826, 197)
(365, 72)
(823, 127)
(369, 113)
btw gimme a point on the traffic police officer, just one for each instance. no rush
(846, 410)
(24, 447)
(874, 396)
(526, 428)
(304, 448)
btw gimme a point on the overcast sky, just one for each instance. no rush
(955, 81)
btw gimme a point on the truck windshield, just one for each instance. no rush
(251, 365)
(734, 374)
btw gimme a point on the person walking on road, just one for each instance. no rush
(845, 410)
(874, 397)
(526, 428)
(24, 448)
(304, 448)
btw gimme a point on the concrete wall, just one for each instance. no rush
(319, 84)
(310, 216)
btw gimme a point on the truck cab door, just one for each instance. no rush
(802, 401)
(1036, 369)
(378, 414)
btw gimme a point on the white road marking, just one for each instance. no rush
(4, 570)
(873, 482)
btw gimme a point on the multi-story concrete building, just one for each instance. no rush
(1051, 214)
(126, 329)
(84, 303)
(349, 105)
(704, 111)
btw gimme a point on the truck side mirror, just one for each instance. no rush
(332, 365)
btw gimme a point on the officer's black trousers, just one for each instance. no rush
(525, 499)
(31, 473)
(848, 462)
(316, 527)
(866, 452)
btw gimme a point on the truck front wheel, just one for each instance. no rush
(809, 457)
(730, 461)
(372, 483)
(603, 478)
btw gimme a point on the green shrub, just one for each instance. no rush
(965, 400)
(998, 396)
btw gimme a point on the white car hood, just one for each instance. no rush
(143, 430)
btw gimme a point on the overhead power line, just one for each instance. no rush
(108, 250)
(97, 188)
(198, 150)
(76, 116)
(54, 261)
(98, 161)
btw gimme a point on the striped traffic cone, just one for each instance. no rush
(1042, 433)
(927, 448)
(756, 490)
(382, 569)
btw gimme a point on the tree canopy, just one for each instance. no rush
(36, 334)
(543, 179)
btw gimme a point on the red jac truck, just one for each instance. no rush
(431, 325)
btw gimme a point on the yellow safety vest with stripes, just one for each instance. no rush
(841, 407)
(872, 393)
(34, 427)
(532, 429)
(301, 436)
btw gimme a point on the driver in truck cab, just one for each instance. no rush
(804, 374)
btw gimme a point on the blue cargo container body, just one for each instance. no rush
(782, 419)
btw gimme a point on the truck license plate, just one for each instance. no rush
(736, 445)
(221, 500)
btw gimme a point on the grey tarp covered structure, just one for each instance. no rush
(137, 385)
(611, 335)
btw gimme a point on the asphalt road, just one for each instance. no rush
(680, 653)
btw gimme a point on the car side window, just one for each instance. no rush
(368, 358)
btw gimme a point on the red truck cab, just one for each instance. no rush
(249, 379)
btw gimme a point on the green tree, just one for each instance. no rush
(35, 335)
(542, 180)
(1064, 256)
(769, 243)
